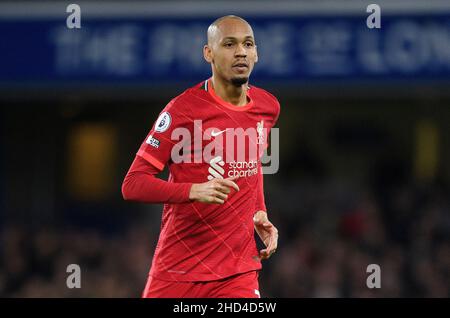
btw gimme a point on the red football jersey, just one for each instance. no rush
(201, 137)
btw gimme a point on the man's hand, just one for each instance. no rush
(267, 232)
(214, 191)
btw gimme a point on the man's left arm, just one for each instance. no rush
(265, 229)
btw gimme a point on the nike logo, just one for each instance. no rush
(217, 133)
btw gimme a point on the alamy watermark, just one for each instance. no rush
(374, 19)
(230, 152)
(74, 278)
(374, 279)
(73, 21)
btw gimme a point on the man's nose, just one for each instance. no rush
(240, 51)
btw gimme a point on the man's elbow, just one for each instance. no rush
(126, 190)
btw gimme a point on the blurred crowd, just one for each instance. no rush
(34, 263)
(329, 234)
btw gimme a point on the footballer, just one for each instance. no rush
(211, 137)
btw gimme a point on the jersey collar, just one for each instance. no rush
(208, 87)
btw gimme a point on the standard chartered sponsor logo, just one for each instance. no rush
(243, 168)
(235, 169)
(241, 152)
(215, 168)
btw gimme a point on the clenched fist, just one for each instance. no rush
(214, 191)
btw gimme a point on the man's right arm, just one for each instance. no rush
(141, 182)
(142, 185)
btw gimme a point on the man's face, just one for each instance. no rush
(231, 50)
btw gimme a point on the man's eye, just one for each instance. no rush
(248, 44)
(228, 44)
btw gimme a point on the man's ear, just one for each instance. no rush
(256, 54)
(207, 54)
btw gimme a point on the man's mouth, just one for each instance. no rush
(240, 64)
(240, 67)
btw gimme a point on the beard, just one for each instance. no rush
(239, 81)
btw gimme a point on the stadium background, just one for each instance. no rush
(364, 141)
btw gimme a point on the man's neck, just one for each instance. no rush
(229, 92)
